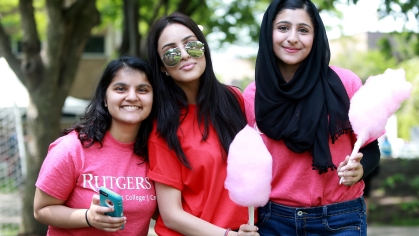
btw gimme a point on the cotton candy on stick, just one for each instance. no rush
(374, 103)
(249, 171)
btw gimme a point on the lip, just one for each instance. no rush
(130, 107)
(187, 66)
(291, 49)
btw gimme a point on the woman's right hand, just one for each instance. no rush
(97, 218)
(247, 229)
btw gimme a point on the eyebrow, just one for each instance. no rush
(124, 84)
(171, 44)
(287, 22)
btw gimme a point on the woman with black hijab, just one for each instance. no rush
(300, 106)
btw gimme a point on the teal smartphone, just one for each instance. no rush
(109, 198)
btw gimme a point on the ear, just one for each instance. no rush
(163, 69)
(105, 102)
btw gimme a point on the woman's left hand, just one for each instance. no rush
(350, 170)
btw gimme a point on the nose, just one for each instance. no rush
(183, 53)
(292, 36)
(132, 95)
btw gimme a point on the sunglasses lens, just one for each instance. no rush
(195, 49)
(171, 57)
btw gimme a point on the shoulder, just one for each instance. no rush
(249, 101)
(70, 139)
(65, 144)
(350, 80)
(237, 93)
(249, 91)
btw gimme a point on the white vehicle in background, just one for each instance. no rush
(409, 150)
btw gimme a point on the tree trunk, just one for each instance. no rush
(48, 80)
(130, 45)
(43, 126)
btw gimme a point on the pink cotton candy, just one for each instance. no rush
(375, 102)
(249, 169)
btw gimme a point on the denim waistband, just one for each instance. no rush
(331, 209)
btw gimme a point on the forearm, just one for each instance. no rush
(371, 157)
(177, 219)
(187, 224)
(62, 216)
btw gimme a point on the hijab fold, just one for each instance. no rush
(311, 106)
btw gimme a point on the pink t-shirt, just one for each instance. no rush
(294, 183)
(74, 174)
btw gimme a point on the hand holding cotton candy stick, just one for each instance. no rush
(374, 103)
(249, 171)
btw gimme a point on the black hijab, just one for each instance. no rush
(297, 112)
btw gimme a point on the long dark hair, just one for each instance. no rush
(96, 119)
(216, 103)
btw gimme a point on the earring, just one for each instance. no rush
(167, 73)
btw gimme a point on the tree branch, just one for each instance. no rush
(75, 8)
(31, 44)
(156, 10)
(6, 52)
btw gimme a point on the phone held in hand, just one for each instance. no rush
(109, 198)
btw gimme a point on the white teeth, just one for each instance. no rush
(130, 108)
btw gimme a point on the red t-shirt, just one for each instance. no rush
(203, 192)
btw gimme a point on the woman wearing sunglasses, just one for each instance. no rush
(197, 118)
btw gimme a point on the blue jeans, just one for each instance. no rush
(343, 219)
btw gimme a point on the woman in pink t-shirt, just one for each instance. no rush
(108, 147)
(300, 106)
(197, 118)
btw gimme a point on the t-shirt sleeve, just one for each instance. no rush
(350, 80)
(165, 167)
(58, 174)
(352, 84)
(249, 103)
(238, 95)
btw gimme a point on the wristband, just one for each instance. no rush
(87, 221)
(227, 230)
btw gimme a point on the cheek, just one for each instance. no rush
(277, 37)
(148, 100)
(308, 42)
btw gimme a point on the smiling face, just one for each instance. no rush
(292, 35)
(189, 70)
(129, 99)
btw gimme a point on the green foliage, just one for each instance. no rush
(7, 185)
(410, 207)
(403, 46)
(9, 229)
(10, 17)
(364, 64)
(392, 180)
(415, 183)
(405, 6)
(407, 115)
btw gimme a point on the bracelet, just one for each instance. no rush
(227, 230)
(87, 221)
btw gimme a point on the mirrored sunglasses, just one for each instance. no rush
(172, 56)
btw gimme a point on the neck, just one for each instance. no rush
(287, 71)
(190, 90)
(125, 134)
